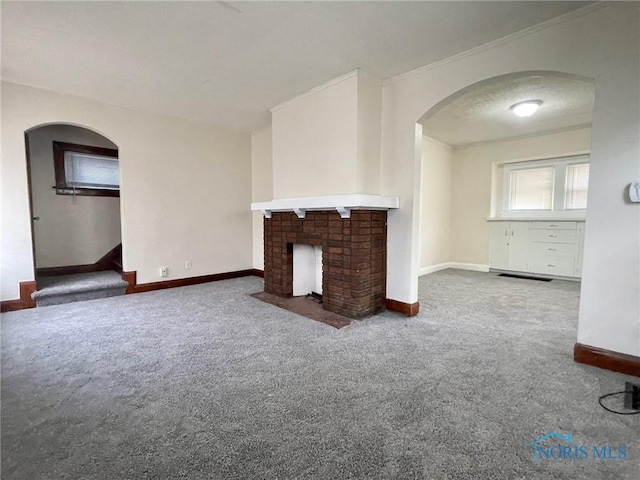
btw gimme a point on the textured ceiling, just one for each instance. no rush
(227, 63)
(483, 114)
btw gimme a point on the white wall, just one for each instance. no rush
(369, 131)
(71, 230)
(472, 184)
(185, 194)
(327, 141)
(261, 187)
(601, 44)
(315, 142)
(435, 212)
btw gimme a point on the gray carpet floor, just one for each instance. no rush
(208, 382)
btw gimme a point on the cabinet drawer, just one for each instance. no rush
(553, 225)
(540, 250)
(553, 236)
(550, 265)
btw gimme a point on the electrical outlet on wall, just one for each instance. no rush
(164, 271)
(187, 264)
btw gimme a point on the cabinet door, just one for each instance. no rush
(499, 245)
(519, 246)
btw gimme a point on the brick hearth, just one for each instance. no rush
(354, 257)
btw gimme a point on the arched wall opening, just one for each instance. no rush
(73, 179)
(594, 45)
(471, 143)
(497, 80)
(95, 131)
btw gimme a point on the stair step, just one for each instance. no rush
(48, 300)
(78, 287)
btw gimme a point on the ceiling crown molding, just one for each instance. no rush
(317, 89)
(501, 41)
(541, 133)
(438, 142)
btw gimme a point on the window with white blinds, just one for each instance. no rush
(91, 171)
(86, 170)
(531, 189)
(577, 186)
(542, 188)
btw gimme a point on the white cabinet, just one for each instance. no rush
(499, 245)
(554, 236)
(553, 248)
(540, 247)
(519, 246)
(509, 245)
(558, 266)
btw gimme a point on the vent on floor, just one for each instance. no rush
(524, 277)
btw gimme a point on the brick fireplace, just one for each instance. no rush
(352, 231)
(354, 257)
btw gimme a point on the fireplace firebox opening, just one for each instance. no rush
(307, 270)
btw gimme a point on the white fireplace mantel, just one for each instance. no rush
(343, 204)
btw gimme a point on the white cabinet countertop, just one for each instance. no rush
(541, 219)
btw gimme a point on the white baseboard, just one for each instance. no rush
(434, 268)
(475, 267)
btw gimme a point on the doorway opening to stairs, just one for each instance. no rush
(74, 193)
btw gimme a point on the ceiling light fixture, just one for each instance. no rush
(527, 108)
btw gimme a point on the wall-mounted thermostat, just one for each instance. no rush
(634, 192)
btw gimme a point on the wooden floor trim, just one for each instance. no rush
(131, 279)
(11, 305)
(607, 359)
(25, 300)
(408, 309)
(134, 287)
(258, 273)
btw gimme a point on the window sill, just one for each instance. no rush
(553, 215)
(87, 192)
(545, 218)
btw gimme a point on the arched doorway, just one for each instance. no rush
(74, 188)
(502, 193)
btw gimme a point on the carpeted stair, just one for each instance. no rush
(55, 290)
